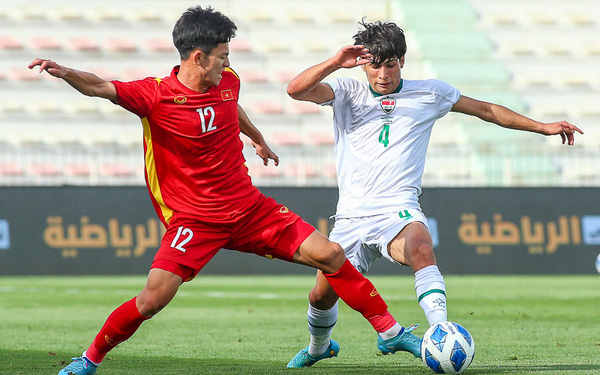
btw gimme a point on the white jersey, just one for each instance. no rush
(381, 142)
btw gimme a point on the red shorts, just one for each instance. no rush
(268, 229)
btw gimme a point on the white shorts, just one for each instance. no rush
(366, 239)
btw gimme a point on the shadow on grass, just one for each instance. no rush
(22, 362)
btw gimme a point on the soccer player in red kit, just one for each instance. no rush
(200, 187)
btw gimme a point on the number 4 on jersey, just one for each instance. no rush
(384, 136)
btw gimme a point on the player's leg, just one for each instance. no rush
(349, 284)
(202, 242)
(322, 308)
(124, 321)
(413, 247)
(321, 315)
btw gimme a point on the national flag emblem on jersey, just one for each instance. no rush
(227, 95)
(388, 104)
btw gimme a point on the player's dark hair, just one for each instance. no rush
(202, 29)
(384, 40)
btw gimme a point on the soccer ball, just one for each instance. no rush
(448, 348)
(598, 263)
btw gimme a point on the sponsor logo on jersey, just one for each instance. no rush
(374, 292)
(180, 99)
(387, 104)
(227, 95)
(284, 210)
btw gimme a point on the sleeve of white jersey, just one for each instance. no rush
(446, 95)
(341, 88)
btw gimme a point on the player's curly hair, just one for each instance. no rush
(385, 40)
(202, 29)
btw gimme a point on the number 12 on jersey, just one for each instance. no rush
(210, 113)
(384, 136)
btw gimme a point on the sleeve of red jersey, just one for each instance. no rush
(137, 96)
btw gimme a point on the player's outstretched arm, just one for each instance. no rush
(86, 83)
(307, 85)
(507, 118)
(258, 141)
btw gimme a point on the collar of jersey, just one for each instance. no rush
(376, 94)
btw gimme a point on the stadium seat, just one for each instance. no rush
(11, 169)
(270, 170)
(45, 43)
(321, 139)
(146, 15)
(286, 139)
(252, 76)
(69, 14)
(10, 43)
(305, 108)
(79, 170)
(45, 169)
(159, 45)
(116, 170)
(24, 75)
(580, 18)
(285, 76)
(121, 44)
(267, 107)
(132, 74)
(302, 170)
(329, 171)
(239, 45)
(84, 44)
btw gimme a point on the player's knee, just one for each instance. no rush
(332, 256)
(149, 304)
(422, 256)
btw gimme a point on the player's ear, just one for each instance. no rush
(402, 62)
(198, 57)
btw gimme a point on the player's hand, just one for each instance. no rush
(351, 56)
(565, 129)
(50, 66)
(265, 153)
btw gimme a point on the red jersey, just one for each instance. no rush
(193, 152)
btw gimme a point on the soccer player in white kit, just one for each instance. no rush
(381, 132)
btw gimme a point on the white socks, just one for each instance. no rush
(392, 332)
(431, 293)
(84, 355)
(320, 326)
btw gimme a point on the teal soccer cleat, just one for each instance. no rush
(79, 366)
(405, 342)
(303, 359)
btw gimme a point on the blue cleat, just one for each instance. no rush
(303, 359)
(405, 342)
(79, 366)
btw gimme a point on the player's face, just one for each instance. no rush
(384, 78)
(215, 63)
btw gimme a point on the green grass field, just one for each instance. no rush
(254, 325)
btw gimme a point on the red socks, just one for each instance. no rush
(120, 325)
(361, 295)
